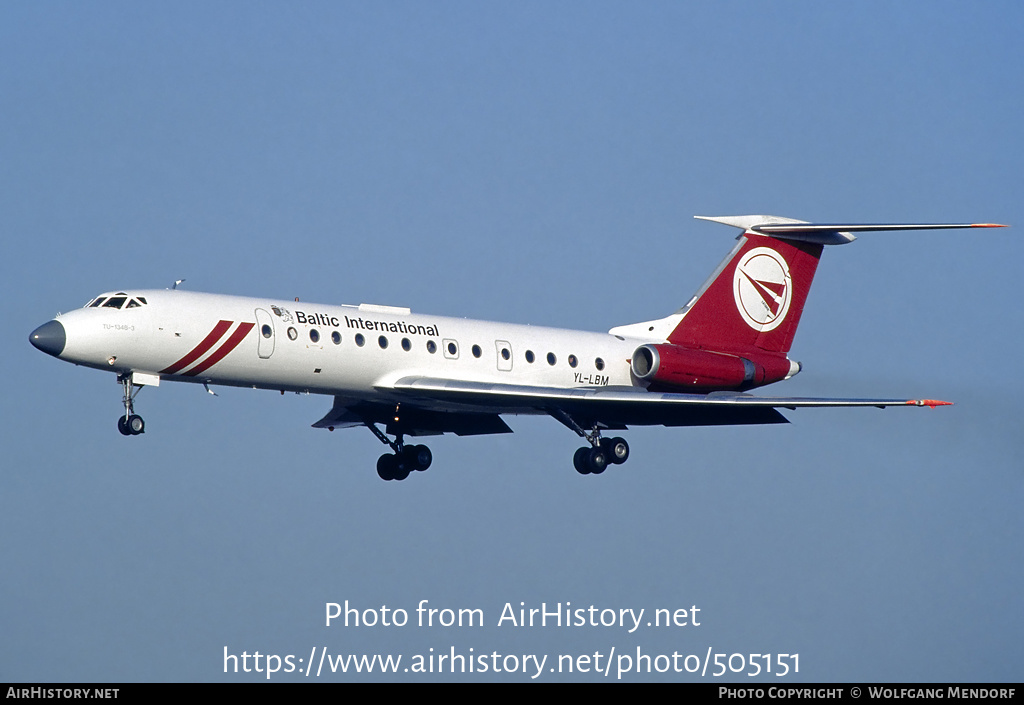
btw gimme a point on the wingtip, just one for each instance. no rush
(988, 225)
(930, 403)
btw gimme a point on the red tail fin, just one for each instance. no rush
(755, 299)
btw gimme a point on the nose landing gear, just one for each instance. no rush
(130, 423)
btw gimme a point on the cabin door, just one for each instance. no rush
(504, 352)
(265, 333)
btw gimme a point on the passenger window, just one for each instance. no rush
(431, 347)
(477, 352)
(382, 342)
(573, 361)
(406, 344)
(292, 334)
(314, 335)
(599, 364)
(552, 359)
(266, 330)
(336, 338)
(530, 357)
(451, 349)
(360, 340)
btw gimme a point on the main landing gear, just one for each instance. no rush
(602, 451)
(129, 424)
(404, 460)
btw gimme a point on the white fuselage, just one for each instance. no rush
(357, 351)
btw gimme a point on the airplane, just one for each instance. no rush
(420, 375)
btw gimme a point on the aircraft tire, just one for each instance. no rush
(421, 457)
(616, 450)
(136, 425)
(122, 426)
(597, 460)
(579, 461)
(386, 466)
(403, 466)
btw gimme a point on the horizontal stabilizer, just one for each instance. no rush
(825, 233)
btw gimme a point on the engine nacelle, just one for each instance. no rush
(703, 370)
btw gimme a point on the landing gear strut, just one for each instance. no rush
(129, 424)
(404, 460)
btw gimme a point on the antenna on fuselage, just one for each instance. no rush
(176, 282)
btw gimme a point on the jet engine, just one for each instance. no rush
(686, 369)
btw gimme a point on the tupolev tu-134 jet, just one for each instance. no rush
(418, 375)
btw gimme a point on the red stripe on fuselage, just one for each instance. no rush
(218, 355)
(195, 353)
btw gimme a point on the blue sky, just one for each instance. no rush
(535, 163)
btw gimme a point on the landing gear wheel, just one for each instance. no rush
(579, 461)
(615, 449)
(395, 467)
(403, 466)
(421, 457)
(131, 426)
(597, 461)
(386, 466)
(136, 425)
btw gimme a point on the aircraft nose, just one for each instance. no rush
(49, 337)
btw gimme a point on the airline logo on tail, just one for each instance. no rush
(762, 288)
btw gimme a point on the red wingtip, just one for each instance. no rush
(930, 403)
(988, 225)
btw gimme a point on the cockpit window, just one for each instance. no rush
(117, 301)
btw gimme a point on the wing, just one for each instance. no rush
(615, 407)
(432, 406)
